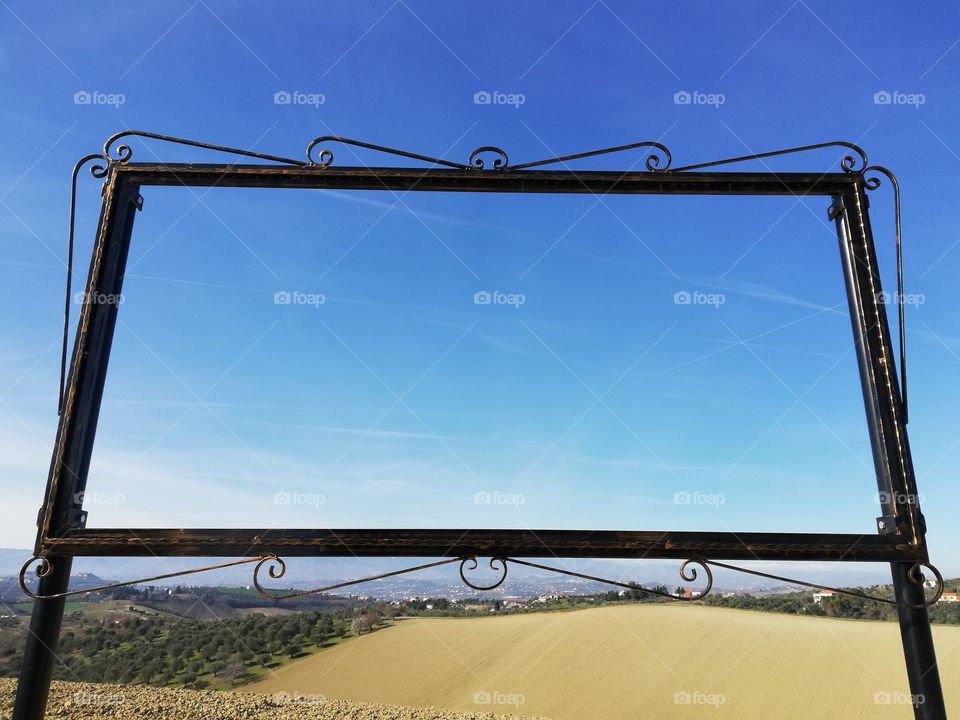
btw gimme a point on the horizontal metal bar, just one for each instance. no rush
(471, 180)
(218, 542)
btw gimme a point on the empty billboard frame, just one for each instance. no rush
(900, 537)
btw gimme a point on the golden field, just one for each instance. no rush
(628, 661)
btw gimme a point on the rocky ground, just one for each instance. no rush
(88, 701)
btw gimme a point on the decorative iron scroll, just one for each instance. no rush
(326, 156)
(46, 567)
(848, 163)
(658, 160)
(276, 568)
(279, 567)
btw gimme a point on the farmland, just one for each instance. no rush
(624, 661)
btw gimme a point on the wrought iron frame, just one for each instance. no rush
(900, 539)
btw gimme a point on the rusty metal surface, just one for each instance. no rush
(485, 543)
(512, 181)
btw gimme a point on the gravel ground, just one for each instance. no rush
(88, 701)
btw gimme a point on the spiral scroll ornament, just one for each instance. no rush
(500, 160)
(472, 561)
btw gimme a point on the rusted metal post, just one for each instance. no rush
(886, 420)
(63, 506)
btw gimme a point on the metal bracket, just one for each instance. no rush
(835, 209)
(887, 525)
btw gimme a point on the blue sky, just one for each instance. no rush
(385, 395)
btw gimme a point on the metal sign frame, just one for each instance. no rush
(899, 541)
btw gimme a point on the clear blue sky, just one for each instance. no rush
(399, 401)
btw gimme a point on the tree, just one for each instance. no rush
(150, 669)
(235, 672)
(357, 626)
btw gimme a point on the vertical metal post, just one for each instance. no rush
(63, 502)
(926, 693)
(888, 439)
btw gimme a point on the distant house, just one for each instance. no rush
(818, 596)
(547, 597)
(949, 597)
(690, 594)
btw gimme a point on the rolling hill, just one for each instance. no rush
(628, 661)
